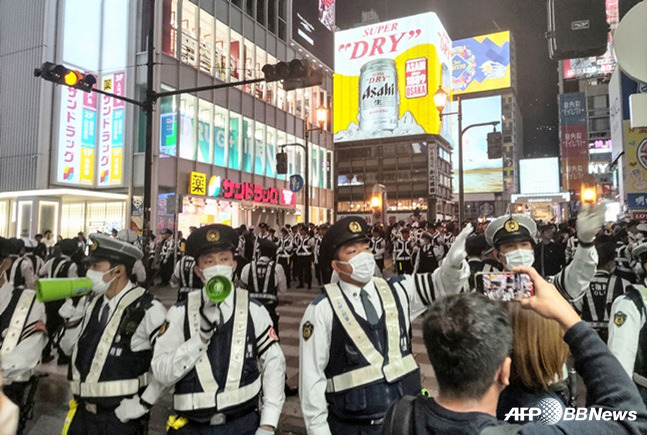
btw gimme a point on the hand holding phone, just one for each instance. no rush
(504, 286)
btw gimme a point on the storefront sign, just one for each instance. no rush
(111, 131)
(574, 139)
(198, 184)
(640, 215)
(636, 151)
(77, 137)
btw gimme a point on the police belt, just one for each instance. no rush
(264, 296)
(122, 387)
(374, 422)
(640, 380)
(95, 408)
(598, 325)
(194, 401)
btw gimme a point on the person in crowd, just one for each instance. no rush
(285, 249)
(625, 263)
(220, 356)
(263, 233)
(320, 232)
(469, 340)
(295, 239)
(185, 279)
(167, 256)
(181, 244)
(41, 249)
(627, 331)
(49, 241)
(424, 257)
(346, 381)
(474, 246)
(59, 266)
(549, 256)
(402, 251)
(378, 247)
(633, 233)
(22, 327)
(139, 271)
(304, 245)
(605, 287)
(22, 274)
(513, 237)
(110, 338)
(272, 235)
(83, 243)
(538, 359)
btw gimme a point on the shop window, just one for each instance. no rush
(270, 161)
(168, 126)
(235, 140)
(205, 129)
(248, 143)
(248, 56)
(189, 33)
(261, 59)
(169, 27)
(220, 135)
(72, 220)
(206, 42)
(299, 103)
(4, 218)
(259, 149)
(282, 98)
(249, 7)
(271, 15)
(235, 63)
(260, 12)
(48, 214)
(323, 173)
(187, 127)
(24, 221)
(221, 51)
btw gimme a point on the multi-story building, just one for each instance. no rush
(73, 162)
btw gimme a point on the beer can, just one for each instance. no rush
(379, 106)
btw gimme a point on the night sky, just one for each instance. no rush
(536, 74)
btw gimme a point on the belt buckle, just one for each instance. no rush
(91, 407)
(376, 422)
(218, 419)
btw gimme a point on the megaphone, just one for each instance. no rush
(54, 289)
(218, 288)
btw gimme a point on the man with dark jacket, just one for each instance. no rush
(549, 256)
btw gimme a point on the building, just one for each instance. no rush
(73, 162)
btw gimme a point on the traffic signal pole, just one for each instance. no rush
(148, 107)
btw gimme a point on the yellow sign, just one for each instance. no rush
(386, 75)
(198, 184)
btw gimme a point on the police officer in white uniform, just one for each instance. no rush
(22, 327)
(110, 339)
(129, 236)
(221, 358)
(347, 384)
(513, 235)
(627, 331)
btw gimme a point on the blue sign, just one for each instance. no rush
(296, 183)
(572, 109)
(637, 201)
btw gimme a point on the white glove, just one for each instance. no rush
(261, 431)
(590, 221)
(457, 253)
(209, 318)
(130, 409)
(71, 312)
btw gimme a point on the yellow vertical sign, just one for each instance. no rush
(198, 184)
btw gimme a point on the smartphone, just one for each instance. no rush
(504, 286)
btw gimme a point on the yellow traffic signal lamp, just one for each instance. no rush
(589, 194)
(72, 77)
(62, 75)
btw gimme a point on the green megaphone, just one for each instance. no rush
(218, 288)
(54, 289)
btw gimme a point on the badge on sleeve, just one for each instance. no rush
(163, 329)
(619, 318)
(307, 330)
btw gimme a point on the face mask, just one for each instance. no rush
(363, 265)
(218, 269)
(98, 284)
(519, 257)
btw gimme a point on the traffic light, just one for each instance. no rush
(282, 163)
(589, 194)
(494, 145)
(299, 73)
(62, 75)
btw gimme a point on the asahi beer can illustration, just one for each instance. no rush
(378, 96)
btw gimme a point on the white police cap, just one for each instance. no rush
(510, 227)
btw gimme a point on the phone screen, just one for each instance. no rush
(504, 286)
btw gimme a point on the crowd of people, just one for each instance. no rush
(223, 363)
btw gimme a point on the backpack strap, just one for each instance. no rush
(402, 419)
(502, 429)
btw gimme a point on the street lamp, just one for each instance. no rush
(441, 97)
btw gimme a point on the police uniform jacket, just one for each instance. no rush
(22, 332)
(55, 267)
(111, 363)
(595, 306)
(259, 282)
(324, 354)
(378, 247)
(203, 376)
(284, 247)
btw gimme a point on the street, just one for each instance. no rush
(53, 392)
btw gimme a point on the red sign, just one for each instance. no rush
(416, 77)
(639, 215)
(575, 141)
(257, 193)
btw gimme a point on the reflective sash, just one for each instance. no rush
(376, 370)
(233, 393)
(92, 387)
(262, 293)
(18, 319)
(639, 379)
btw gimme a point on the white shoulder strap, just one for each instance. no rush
(202, 367)
(18, 320)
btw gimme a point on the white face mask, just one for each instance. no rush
(98, 284)
(519, 257)
(363, 265)
(218, 269)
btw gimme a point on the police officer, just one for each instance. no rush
(110, 340)
(263, 233)
(22, 327)
(166, 256)
(304, 245)
(321, 232)
(627, 331)
(378, 247)
(129, 236)
(425, 258)
(284, 253)
(605, 287)
(355, 346)
(22, 274)
(513, 236)
(184, 278)
(402, 252)
(625, 263)
(220, 356)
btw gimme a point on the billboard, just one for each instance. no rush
(636, 151)
(481, 63)
(480, 174)
(386, 75)
(313, 27)
(574, 139)
(539, 175)
(111, 131)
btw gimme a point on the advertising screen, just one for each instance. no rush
(480, 174)
(539, 175)
(313, 27)
(386, 75)
(481, 63)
